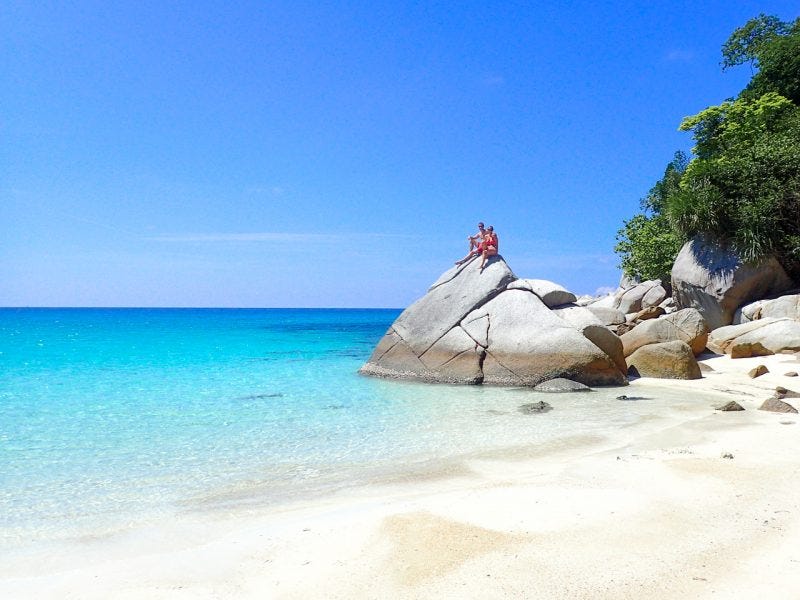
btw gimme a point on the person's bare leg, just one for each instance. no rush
(466, 258)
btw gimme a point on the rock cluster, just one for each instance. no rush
(493, 327)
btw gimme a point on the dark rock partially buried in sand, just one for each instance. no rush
(776, 405)
(560, 384)
(730, 406)
(534, 408)
(757, 371)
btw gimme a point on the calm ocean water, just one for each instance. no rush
(114, 417)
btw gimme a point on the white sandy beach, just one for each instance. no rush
(651, 511)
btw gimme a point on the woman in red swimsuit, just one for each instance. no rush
(489, 246)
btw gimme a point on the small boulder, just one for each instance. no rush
(669, 305)
(776, 405)
(686, 325)
(782, 392)
(560, 385)
(757, 371)
(550, 293)
(790, 374)
(630, 300)
(651, 312)
(534, 408)
(746, 350)
(730, 406)
(608, 316)
(666, 360)
(654, 296)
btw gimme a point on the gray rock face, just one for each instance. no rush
(550, 293)
(668, 360)
(630, 301)
(654, 296)
(685, 325)
(528, 344)
(561, 385)
(769, 336)
(608, 316)
(585, 321)
(469, 329)
(450, 299)
(787, 307)
(714, 280)
(576, 316)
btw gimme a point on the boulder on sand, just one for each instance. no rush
(712, 278)
(781, 307)
(667, 360)
(469, 328)
(768, 336)
(686, 325)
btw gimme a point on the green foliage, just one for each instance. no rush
(647, 244)
(743, 185)
(734, 125)
(773, 46)
(747, 42)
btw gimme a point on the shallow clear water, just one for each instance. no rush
(113, 417)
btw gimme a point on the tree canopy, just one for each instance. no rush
(742, 185)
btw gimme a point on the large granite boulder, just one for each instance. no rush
(552, 294)
(764, 336)
(469, 328)
(667, 360)
(712, 278)
(685, 325)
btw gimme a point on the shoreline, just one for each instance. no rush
(651, 509)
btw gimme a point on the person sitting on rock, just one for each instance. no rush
(477, 250)
(489, 246)
(475, 240)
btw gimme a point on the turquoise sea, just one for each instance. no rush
(114, 418)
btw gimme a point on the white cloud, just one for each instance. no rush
(604, 290)
(271, 236)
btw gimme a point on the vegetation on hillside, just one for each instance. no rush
(742, 185)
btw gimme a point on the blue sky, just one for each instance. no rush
(335, 153)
